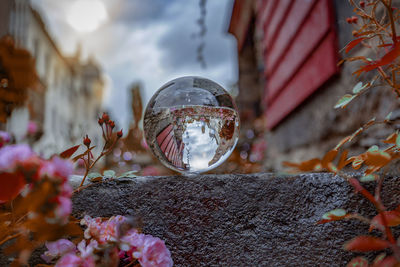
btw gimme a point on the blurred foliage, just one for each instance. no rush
(375, 29)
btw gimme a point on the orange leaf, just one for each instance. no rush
(353, 43)
(366, 243)
(69, 152)
(342, 161)
(391, 139)
(342, 142)
(328, 158)
(377, 158)
(10, 185)
(385, 60)
(392, 219)
(304, 166)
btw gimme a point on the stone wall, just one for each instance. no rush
(240, 220)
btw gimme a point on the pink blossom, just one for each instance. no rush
(103, 231)
(154, 253)
(66, 190)
(5, 138)
(72, 260)
(93, 226)
(69, 260)
(64, 207)
(56, 167)
(12, 155)
(32, 127)
(87, 250)
(149, 250)
(132, 240)
(58, 248)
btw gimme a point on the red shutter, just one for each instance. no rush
(300, 53)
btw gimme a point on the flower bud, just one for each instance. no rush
(105, 117)
(354, 19)
(100, 121)
(112, 124)
(87, 141)
(119, 134)
(362, 4)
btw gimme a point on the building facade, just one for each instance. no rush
(69, 98)
(288, 52)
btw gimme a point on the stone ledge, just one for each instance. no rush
(239, 220)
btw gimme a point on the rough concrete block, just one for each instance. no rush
(240, 220)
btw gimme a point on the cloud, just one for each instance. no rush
(149, 41)
(139, 12)
(180, 48)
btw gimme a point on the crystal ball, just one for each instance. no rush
(191, 124)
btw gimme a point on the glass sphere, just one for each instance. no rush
(191, 124)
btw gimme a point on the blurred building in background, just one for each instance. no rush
(289, 81)
(64, 98)
(131, 153)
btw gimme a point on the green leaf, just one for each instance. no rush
(130, 174)
(344, 101)
(368, 178)
(388, 116)
(359, 87)
(373, 148)
(358, 262)
(334, 213)
(94, 175)
(398, 140)
(109, 174)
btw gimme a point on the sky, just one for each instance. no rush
(145, 41)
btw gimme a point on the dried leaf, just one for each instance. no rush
(69, 152)
(366, 243)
